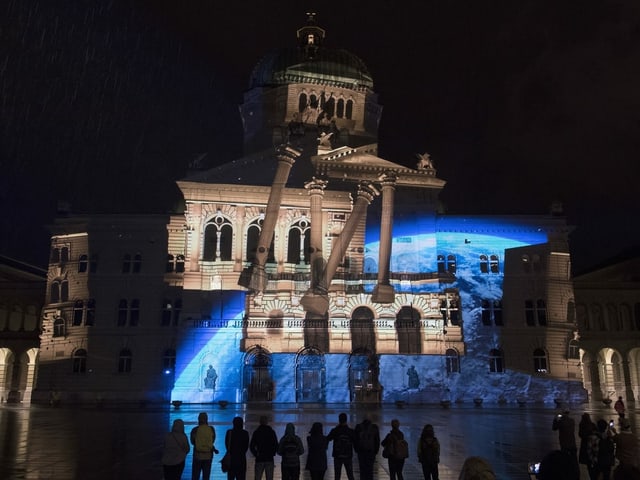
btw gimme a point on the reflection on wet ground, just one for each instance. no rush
(126, 443)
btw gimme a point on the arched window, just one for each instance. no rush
(452, 361)
(78, 312)
(134, 313)
(496, 361)
(582, 316)
(253, 236)
(441, 264)
(169, 361)
(59, 327)
(614, 319)
(124, 361)
(540, 361)
(340, 108)
(170, 263)
(302, 102)
(494, 265)
(526, 263)
(484, 264)
(408, 329)
(137, 263)
(54, 291)
(123, 312)
(313, 101)
(349, 109)
(180, 263)
(299, 242)
(486, 312)
(330, 107)
(90, 318)
(218, 237)
(541, 312)
(80, 361)
(83, 263)
(362, 330)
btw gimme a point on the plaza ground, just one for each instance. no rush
(86, 442)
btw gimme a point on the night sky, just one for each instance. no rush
(520, 103)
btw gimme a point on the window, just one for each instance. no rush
(484, 264)
(80, 361)
(349, 109)
(59, 291)
(218, 237)
(526, 263)
(90, 318)
(253, 236)
(302, 102)
(58, 327)
(613, 317)
(170, 264)
(83, 264)
(408, 329)
(167, 312)
(126, 263)
(180, 263)
(486, 312)
(451, 264)
(123, 312)
(441, 264)
(452, 361)
(497, 313)
(363, 337)
(124, 361)
(496, 361)
(134, 313)
(299, 242)
(573, 350)
(59, 255)
(78, 313)
(540, 361)
(137, 263)
(541, 312)
(169, 361)
(340, 108)
(537, 264)
(571, 312)
(494, 265)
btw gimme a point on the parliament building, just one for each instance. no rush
(311, 270)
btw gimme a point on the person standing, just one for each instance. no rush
(626, 444)
(236, 441)
(263, 446)
(342, 437)
(176, 448)
(619, 407)
(367, 444)
(585, 429)
(601, 451)
(290, 448)
(317, 452)
(396, 449)
(429, 453)
(202, 438)
(566, 426)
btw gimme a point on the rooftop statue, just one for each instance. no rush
(424, 161)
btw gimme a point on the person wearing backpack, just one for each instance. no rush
(343, 438)
(367, 444)
(290, 448)
(202, 438)
(429, 453)
(176, 448)
(601, 452)
(236, 441)
(396, 450)
(263, 446)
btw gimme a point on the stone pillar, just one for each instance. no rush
(318, 303)
(286, 158)
(383, 291)
(316, 192)
(194, 236)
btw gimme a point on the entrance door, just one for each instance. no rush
(259, 386)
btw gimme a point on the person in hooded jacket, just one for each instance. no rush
(263, 446)
(395, 464)
(176, 447)
(237, 442)
(290, 448)
(429, 453)
(317, 445)
(202, 438)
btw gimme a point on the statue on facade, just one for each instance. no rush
(424, 161)
(414, 381)
(210, 378)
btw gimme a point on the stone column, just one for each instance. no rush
(286, 158)
(316, 192)
(383, 291)
(194, 236)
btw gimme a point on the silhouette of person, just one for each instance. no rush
(263, 446)
(367, 446)
(342, 437)
(176, 447)
(236, 441)
(317, 444)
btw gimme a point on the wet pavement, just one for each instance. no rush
(64, 442)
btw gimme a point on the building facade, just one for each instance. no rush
(311, 270)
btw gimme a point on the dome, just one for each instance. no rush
(311, 62)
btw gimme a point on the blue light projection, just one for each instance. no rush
(219, 345)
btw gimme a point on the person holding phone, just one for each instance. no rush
(566, 426)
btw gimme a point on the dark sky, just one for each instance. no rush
(103, 103)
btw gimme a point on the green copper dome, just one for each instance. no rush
(311, 62)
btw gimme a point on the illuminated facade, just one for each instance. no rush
(315, 271)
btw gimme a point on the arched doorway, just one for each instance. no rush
(310, 376)
(257, 379)
(363, 377)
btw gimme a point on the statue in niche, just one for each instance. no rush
(210, 378)
(424, 161)
(414, 381)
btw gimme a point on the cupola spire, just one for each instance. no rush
(310, 36)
